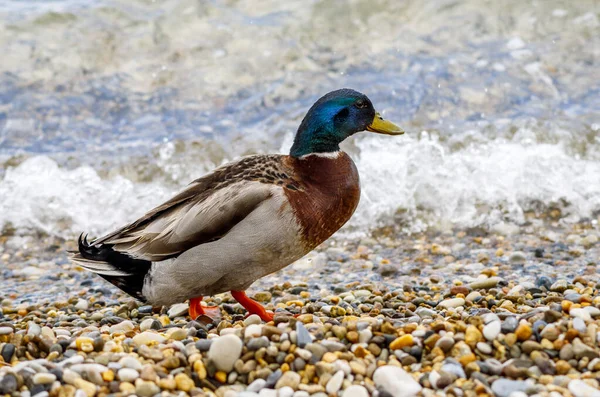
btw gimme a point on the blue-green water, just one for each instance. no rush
(107, 108)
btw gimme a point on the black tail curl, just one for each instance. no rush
(134, 271)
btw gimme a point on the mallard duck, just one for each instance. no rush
(244, 220)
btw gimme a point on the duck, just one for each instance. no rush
(244, 220)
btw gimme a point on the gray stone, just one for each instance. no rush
(8, 384)
(582, 350)
(517, 258)
(504, 387)
(303, 337)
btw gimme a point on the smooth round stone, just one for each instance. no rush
(484, 348)
(335, 383)
(396, 381)
(492, 330)
(593, 311)
(257, 343)
(257, 385)
(285, 391)
(517, 258)
(445, 343)
(451, 303)
(8, 384)
(581, 313)
(148, 337)
(289, 379)
(178, 310)
(355, 391)
(33, 329)
(252, 319)
(504, 387)
(579, 325)
(43, 378)
(451, 366)
(581, 389)
(485, 283)
(128, 374)
(146, 389)
(130, 362)
(148, 323)
(6, 330)
(509, 324)
(82, 304)
(177, 334)
(224, 351)
(365, 336)
(574, 297)
(123, 326)
(8, 350)
(203, 344)
(253, 331)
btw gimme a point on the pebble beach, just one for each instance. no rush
(508, 313)
(470, 267)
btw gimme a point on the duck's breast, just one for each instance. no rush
(328, 195)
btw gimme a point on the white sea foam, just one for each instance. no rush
(412, 180)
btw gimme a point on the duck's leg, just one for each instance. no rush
(252, 306)
(196, 309)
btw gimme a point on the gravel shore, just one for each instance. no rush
(512, 312)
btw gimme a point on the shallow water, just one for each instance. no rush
(107, 108)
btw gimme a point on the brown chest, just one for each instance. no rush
(327, 195)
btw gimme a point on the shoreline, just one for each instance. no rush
(467, 311)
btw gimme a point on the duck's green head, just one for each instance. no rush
(333, 118)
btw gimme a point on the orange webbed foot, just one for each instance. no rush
(196, 309)
(252, 306)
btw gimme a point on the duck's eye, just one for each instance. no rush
(360, 104)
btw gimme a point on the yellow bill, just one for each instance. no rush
(381, 126)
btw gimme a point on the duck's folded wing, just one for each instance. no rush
(195, 216)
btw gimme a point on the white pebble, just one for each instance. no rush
(452, 303)
(355, 391)
(285, 391)
(257, 385)
(365, 336)
(484, 348)
(268, 393)
(581, 313)
(130, 362)
(82, 304)
(396, 381)
(128, 374)
(491, 330)
(147, 337)
(123, 326)
(335, 383)
(579, 325)
(253, 331)
(581, 389)
(224, 351)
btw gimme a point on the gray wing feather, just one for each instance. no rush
(188, 223)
